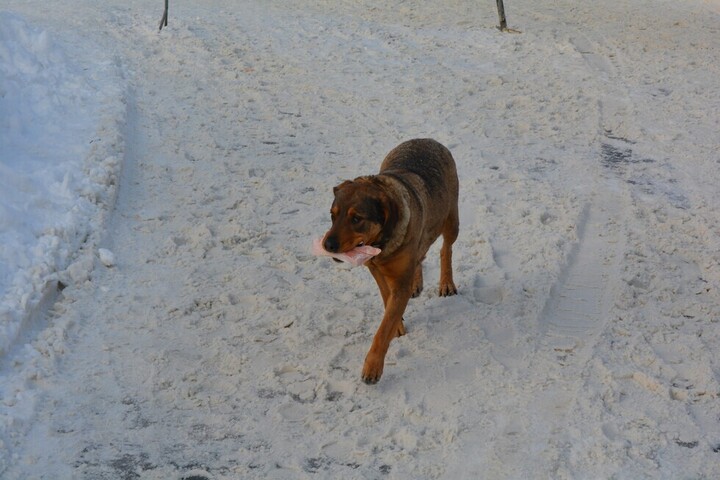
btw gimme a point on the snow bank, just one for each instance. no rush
(60, 151)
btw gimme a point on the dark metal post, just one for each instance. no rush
(163, 21)
(501, 14)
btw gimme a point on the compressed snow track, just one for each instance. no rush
(582, 341)
(580, 303)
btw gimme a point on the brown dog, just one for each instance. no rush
(402, 210)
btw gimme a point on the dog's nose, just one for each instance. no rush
(331, 244)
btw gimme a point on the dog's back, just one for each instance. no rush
(427, 168)
(430, 161)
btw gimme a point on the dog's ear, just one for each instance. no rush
(373, 208)
(390, 211)
(341, 186)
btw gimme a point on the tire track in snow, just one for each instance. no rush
(548, 383)
(532, 431)
(579, 303)
(575, 314)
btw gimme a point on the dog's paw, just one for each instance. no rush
(447, 289)
(401, 329)
(373, 369)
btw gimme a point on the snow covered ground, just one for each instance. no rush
(58, 171)
(583, 342)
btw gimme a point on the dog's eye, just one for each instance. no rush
(355, 220)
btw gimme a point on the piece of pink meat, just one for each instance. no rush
(356, 257)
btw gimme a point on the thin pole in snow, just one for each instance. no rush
(503, 22)
(163, 21)
(501, 14)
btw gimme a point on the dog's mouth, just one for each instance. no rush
(361, 244)
(374, 244)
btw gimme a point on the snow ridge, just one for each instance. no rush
(61, 152)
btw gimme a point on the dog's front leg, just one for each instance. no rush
(399, 294)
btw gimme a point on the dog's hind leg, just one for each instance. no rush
(417, 287)
(450, 233)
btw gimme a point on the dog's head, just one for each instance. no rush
(362, 214)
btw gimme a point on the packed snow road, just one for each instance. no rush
(582, 343)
